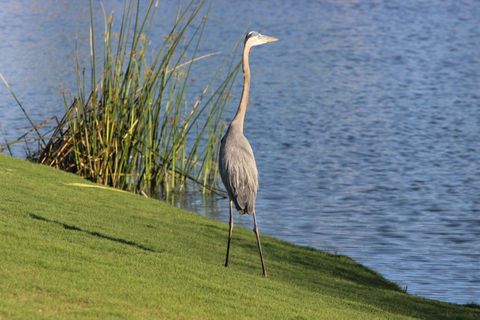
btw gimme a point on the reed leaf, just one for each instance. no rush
(135, 127)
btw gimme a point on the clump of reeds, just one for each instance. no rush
(133, 128)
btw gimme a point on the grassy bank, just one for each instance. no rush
(72, 251)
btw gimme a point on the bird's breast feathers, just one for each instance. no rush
(239, 172)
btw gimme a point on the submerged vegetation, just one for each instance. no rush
(134, 127)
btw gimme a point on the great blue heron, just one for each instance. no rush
(237, 163)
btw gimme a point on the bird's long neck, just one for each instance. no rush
(242, 107)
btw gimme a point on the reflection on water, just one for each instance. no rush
(364, 120)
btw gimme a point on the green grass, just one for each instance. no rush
(70, 251)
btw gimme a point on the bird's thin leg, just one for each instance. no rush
(230, 230)
(257, 234)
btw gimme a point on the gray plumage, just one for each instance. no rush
(236, 160)
(239, 170)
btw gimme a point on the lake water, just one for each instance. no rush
(364, 119)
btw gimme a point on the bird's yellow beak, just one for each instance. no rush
(269, 39)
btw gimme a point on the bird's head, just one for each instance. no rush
(254, 38)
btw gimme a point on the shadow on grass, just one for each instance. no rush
(93, 233)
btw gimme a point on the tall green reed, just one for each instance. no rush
(134, 128)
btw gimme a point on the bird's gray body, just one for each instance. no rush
(239, 170)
